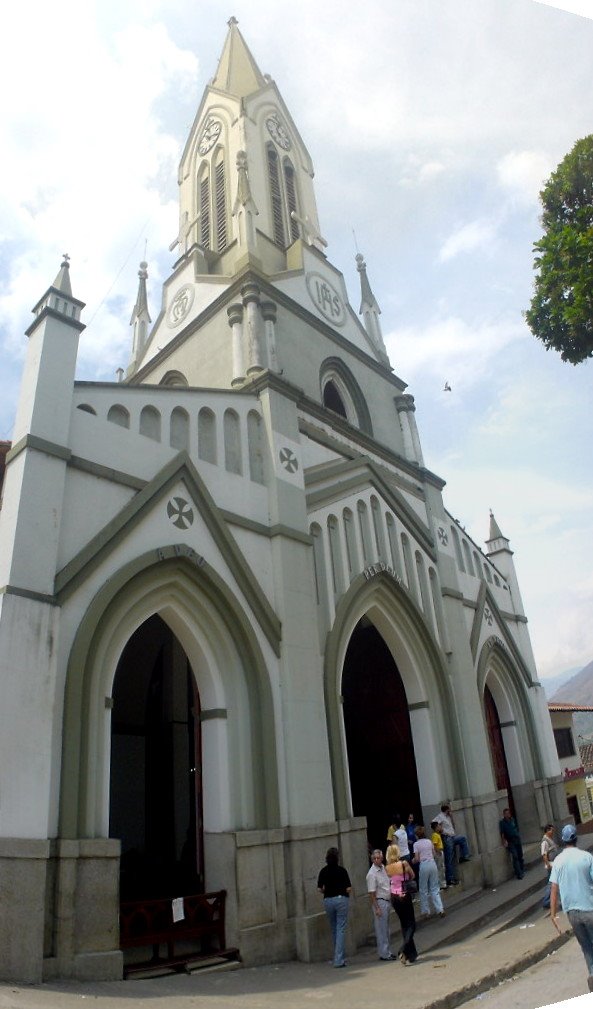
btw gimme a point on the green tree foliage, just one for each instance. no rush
(561, 311)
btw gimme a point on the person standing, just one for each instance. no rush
(428, 881)
(450, 840)
(439, 852)
(511, 839)
(571, 880)
(549, 850)
(380, 895)
(334, 883)
(397, 834)
(398, 870)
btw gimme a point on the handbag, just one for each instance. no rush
(409, 886)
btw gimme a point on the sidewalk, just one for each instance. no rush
(486, 937)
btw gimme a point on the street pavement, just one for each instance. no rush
(442, 978)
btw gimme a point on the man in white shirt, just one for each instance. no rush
(379, 891)
(571, 879)
(450, 839)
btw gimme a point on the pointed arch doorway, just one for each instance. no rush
(381, 760)
(497, 751)
(156, 780)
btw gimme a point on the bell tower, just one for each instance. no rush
(245, 177)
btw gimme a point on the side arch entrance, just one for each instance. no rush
(381, 760)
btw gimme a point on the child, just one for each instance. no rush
(437, 843)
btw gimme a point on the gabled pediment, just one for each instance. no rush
(489, 622)
(106, 541)
(335, 481)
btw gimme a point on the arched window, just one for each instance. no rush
(174, 379)
(487, 573)
(256, 447)
(179, 431)
(477, 565)
(213, 203)
(335, 550)
(365, 532)
(468, 557)
(86, 409)
(276, 196)
(207, 435)
(457, 545)
(118, 415)
(232, 442)
(220, 213)
(351, 547)
(204, 203)
(393, 544)
(332, 399)
(319, 562)
(378, 529)
(150, 423)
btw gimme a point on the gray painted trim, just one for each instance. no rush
(269, 531)
(77, 728)
(418, 705)
(436, 662)
(367, 444)
(53, 314)
(107, 473)
(210, 713)
(507, 725)
(319, 473)
(485, 597)
(392, 496)
(270, 293)
(38, 597)
(32, 441)
(100, 546)
(452, 593)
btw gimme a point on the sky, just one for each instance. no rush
(432, 126)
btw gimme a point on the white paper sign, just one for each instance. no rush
(177, 908)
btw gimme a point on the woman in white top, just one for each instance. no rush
(549, 850)
(428, 878)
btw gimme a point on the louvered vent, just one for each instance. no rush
(276, 196)
(220, 204)
(291, 199)
(205, 211)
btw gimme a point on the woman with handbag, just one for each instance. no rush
(401, 877)
(428, 875)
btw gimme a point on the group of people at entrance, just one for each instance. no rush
(414, 862)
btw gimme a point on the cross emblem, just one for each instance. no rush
(289, 460)
(488, 616)
(444, 539)
(180, 513)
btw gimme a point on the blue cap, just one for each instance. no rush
(569, 833)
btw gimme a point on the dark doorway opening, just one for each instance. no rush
(497, 752)
(156, 786)
(381, 761)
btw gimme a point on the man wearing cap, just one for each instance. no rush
(571, 878)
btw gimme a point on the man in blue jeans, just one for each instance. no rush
(379, 890)
(571, 879)
(511, 840)
(450, 839)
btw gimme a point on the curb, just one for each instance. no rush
(474, 988)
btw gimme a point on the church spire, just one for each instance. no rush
(237, 73)
(62, 281)
(140, 316)
(369, 308)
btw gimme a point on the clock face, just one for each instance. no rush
(210, 135)
(278, 132)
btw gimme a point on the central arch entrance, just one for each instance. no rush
(156, 760)
(381, 760)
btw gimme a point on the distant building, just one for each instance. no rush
(575, 761)
(237, 622)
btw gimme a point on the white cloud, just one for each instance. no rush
(451, 348)
(523, 173)
(478, 234)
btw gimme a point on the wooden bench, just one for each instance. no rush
(150, 923)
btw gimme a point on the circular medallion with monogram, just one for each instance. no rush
(180, 306)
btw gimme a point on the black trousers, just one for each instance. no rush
(404, 909)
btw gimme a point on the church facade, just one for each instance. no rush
(237, 623)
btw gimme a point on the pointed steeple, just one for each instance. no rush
(369, 308)
(237, 73)
(62, 281)
(140, 316)
(495, 533)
